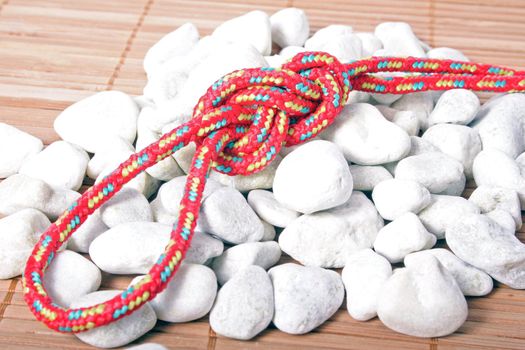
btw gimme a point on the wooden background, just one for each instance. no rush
(55, 52)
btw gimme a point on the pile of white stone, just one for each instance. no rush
(381, 186)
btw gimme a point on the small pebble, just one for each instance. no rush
(369, 43)
(188, 296)
(366, 177)
(399, 40)
(403, 236)
(244, 306)
(421, 103)
(203, 248)
(290, 27)
(395, 197)
(446, 53)
(457, 106)
(128, 205)
(85, 234)
(15, 147)
(110, 153)
(489, 198)
(313, 177)
(148, 346)
(269, 209)
(305, 297)
(236, 258)
(337, 40)
(364, 276)
(118, 333)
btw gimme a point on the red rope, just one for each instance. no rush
(239, 126)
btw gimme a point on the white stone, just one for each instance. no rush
(269, 209)
(406, 120)
(403, 236)
(364, 276)
(274, 61)
(305, 297)
(189, 295)
(227, 215)
(328, 238)
(269, 232)
(236, 258)
(472, 281)
(203, 248)
(104, 115)
(483, 243)
(494, 168)
(366, 177)
(457, 106)
(20, 191)
(399, 40)
(69, 277)
(446, 53)
(458, 141)
(166, 81)
(366, 137)
(500, 124)
(436, 171)
(111, 152)
(19, 233)
(177, 43)
(85, 234)
(128, 205)
(489, 198)
(118, 333)
(290, 51)
(148, 346)
(338, 41)
(290, 27)
(130, 248)
(313, 177)
(395, 197)
(421, 103)
(502, 218)
(15, 147)
(444, 211)
(422, 300)
(369, 43)
(61, 164)
(252, 28)
(244, 305)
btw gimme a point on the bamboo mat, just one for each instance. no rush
(55, 52)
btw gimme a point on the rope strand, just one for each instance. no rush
(239, 126)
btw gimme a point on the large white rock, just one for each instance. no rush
(69, 277)
(489, 199)
(367, 177)
(366, 137)
(203, 248)
(446, 53)
(421, 103)
(111, 152)
(305, 297)
(103, 115)
(20, 191)
(369, 43)
(483, 243)
(457, 106)
(86, 233)
(436, 171)
(494, 168)
(252, 28)
(189, 295)
(337, 40)
(15, 147)
(364, 276)
(328, 238)
(128, 205)
(130, 247)
(500, 124)
(19, 233)
(118, 333)
(472, 281)
(403, 236)
(422, 300)
(444, 211)
(406, 120)
(395, 197)
(313, 177)
(244, 305)
(399, 40)
(61, 164)
(290, 27)
(236, 258)
(459, 142)
(174, 44)
(269, 209)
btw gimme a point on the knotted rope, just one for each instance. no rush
(239, 126)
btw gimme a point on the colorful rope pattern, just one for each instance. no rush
(239, 126)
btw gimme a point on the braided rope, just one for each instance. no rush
(239, 126)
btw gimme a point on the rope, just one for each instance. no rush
(239, 126)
